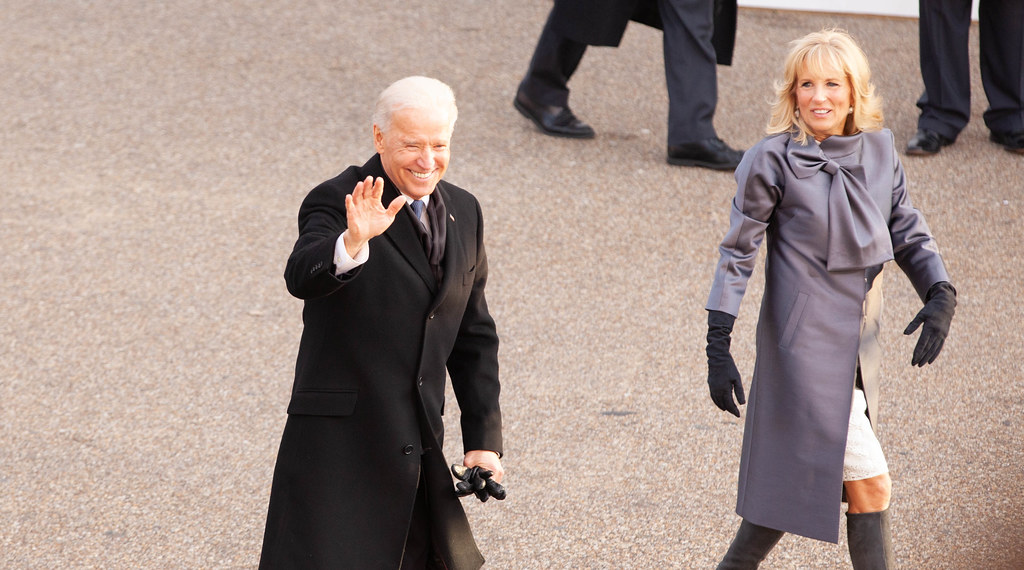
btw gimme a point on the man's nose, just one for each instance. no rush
(426, 157)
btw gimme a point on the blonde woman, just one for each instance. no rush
(827, 189)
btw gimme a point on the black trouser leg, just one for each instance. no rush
(944, 28)
(690, 73)
(751, 545)
(554, 61)
(870, 540)
(1002, 63)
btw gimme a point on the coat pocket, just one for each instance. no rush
(793, 322)
(323, 402)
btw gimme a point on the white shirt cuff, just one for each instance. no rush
(343, 262)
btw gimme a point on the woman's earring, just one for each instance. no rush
(850, 112)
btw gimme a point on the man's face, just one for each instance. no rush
(415, 150)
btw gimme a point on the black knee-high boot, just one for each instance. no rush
(752, 543)
(870, 540)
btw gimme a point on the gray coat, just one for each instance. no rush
(820, 312)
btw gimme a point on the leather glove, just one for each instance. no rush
(935, 316)
(723, 377)
(475, 480)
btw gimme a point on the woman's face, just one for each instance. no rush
(823, 101)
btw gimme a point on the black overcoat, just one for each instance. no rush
(603, 22)
(368, 396)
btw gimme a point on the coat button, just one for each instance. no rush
(419, 381)
(431, 316)
(407, 450)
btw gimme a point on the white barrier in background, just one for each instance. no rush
(904, 8)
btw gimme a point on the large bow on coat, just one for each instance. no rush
(858, 235)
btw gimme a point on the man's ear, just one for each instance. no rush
(378, 139)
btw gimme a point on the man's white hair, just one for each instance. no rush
(415, 92)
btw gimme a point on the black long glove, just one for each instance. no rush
(935, 316)
(475, 480)
(723, 377)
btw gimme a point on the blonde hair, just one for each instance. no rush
(414, 92)
(824, 52)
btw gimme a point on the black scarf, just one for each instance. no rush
(433, 243)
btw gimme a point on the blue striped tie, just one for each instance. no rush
(417, 207)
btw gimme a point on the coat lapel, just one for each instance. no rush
(402, 234)
(452, 244)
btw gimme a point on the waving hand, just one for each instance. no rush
(367, 217)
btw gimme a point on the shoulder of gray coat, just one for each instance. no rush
(882, 136)
(769, 152)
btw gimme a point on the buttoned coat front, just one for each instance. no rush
(816, 327)
(368, 396)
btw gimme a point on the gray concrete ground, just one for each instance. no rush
(153, 157)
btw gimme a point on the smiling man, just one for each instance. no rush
(391, 267)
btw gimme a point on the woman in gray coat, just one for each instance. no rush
(827, 189)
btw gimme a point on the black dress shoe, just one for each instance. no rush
(1011, 141)
(551, 120)
(927, 143)
(709, 153)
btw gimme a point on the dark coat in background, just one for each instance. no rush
(366, 405)
(603, 22)
(816, 326)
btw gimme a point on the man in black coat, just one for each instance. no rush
(945, 68)
(391, 266)
(697, 34)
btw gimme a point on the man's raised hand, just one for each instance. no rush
(367, 217)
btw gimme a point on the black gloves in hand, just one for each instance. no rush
(723, 377)
(477, 480)
(935, 316)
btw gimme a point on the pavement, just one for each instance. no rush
(153, 157)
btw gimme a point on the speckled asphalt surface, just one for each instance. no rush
(153, 157)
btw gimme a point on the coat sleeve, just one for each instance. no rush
(758, 191)
(309, 273)
(473, 362)
(913, 246)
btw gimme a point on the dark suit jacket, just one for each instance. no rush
(366, 406)
(603, 22)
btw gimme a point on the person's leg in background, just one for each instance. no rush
(944, 30)
(691, 77)
(543, 94)
(1001, 34)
